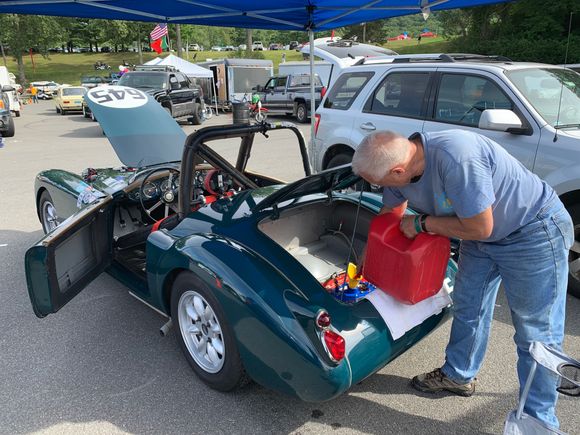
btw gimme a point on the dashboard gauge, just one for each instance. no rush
(165, 185)
(150, 190)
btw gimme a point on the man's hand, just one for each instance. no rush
(408, 226)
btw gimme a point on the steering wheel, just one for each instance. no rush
(166, 192)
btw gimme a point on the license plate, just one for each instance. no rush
(78, 102)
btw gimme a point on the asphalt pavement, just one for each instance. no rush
(99, 366)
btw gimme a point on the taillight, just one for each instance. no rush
(323, 320)
(334, 344)
(1, 104)
(316, 123)
(322, 92)
(66, 102)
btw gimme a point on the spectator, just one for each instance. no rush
(34, 93)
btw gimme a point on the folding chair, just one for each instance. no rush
(568, 369)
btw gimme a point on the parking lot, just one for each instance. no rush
(101, 366)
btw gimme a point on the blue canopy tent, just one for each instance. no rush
(308, 15)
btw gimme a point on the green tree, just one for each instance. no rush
(24, 32)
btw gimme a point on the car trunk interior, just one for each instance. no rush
(319, 235)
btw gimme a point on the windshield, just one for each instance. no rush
(550, 91)
(143, 81)
(74, 91)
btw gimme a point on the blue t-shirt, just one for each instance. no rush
(465, 173)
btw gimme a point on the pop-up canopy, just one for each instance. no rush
(307, 15)
(314, 15)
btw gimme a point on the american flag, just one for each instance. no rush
(159, 31)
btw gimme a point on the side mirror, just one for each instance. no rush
(259, 88)
(7, 88)
(499, 120)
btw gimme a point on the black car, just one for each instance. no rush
(172, 89)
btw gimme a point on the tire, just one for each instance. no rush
(85, 114)
(62, 112)
(574, 255)
(47, 212)
(226, 372)
(339, 160)
(197, 115)
(17, 113)
(302, 113)
(11, 130)
(57, 110)
(343, 159)
(93, 117)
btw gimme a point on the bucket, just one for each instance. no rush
(410, 270)
(241, 113)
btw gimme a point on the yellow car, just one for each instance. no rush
(69, 98)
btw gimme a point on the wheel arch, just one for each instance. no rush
(335, 150)
(255, 300)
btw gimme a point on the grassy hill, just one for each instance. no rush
(68, 68)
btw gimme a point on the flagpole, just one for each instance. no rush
(168, 41)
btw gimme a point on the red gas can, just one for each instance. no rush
(410, 270)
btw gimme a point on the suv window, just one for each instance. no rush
(400, 94)
(281, 83)
(183, 81)
(462, 99)
(346, 89)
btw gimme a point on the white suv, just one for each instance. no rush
(533, 110)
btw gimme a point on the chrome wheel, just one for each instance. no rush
(201, 331)
(49, 216)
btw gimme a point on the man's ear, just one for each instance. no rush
(398, 170)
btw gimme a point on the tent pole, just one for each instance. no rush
(215, 96)
(312, 98)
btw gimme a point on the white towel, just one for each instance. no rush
(401, 317)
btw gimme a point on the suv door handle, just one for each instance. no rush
(368, 126)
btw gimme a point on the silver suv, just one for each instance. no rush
(532, 109)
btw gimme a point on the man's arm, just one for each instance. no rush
(478, 227)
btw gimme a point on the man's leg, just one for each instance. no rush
(534, 266)
(474, 295)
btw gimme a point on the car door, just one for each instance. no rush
(187, 93)
(279, 98)
(397, 103)
(68, 258)
(176, 94)
(460, 98)
(266, 95)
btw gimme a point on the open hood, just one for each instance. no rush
(337, 178)
(141, 132)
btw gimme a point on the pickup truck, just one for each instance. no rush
(290, 95)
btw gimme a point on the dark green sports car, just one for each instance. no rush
(236, 260)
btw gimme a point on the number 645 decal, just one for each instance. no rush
(118, 97)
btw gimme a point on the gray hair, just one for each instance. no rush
(378, 153)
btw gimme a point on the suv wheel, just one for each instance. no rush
(339, 160)
(343, 159)
(9, 132)
(168, 110)
(301, 113)
(574, 256)
(197, 115)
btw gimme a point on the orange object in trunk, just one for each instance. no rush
(410, 270)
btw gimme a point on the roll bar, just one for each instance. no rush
(195, 146)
